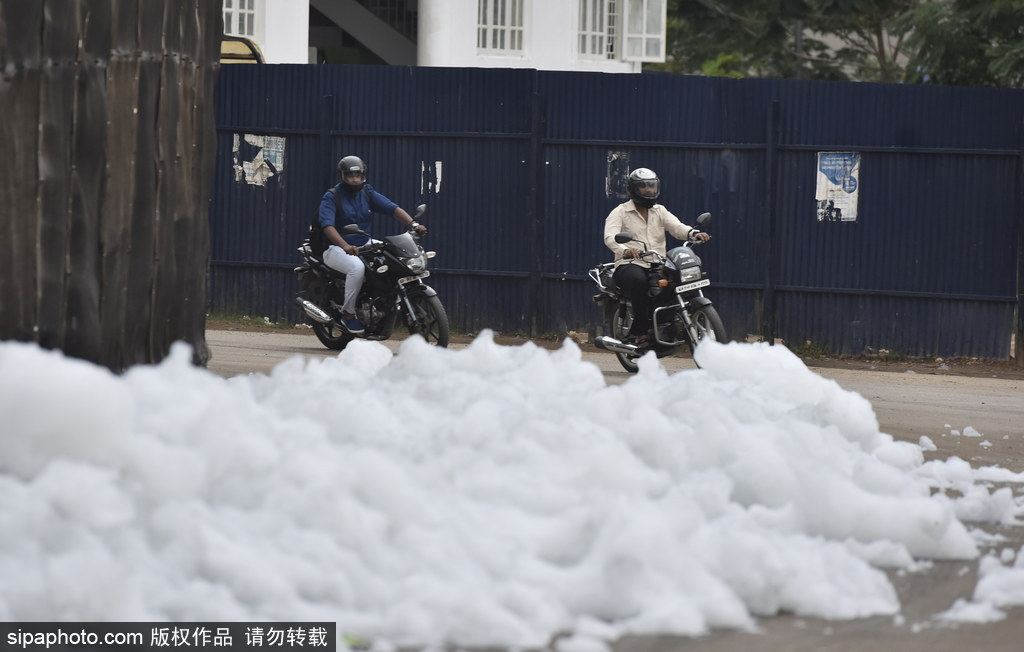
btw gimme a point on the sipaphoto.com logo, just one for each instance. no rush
(81, 638)
(167, 637)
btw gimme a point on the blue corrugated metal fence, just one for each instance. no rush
(520, 167)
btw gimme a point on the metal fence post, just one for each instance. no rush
(771, 154)
(1018, 330)
(535, 206)
(326, 119)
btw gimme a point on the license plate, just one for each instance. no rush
(410, 279)
(703, 283)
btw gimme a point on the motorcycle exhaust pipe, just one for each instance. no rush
(313, 311)
(614, 345)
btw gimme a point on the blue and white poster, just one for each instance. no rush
(837, 188)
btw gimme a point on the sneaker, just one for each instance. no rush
(353, 325)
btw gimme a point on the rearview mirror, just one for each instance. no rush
(703, 219)
(420, 210)
(624, 237)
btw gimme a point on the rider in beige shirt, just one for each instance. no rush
(647, 221)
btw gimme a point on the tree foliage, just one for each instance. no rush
(967, 43)
(964, 42)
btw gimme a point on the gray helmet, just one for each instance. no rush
(643, 186)
(350, 165)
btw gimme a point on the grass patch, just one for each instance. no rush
(810, 349)
(892, 356)
(242, 321)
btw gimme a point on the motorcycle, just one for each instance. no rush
(682, 315)
(393, 288)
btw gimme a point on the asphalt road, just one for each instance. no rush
(908, 406)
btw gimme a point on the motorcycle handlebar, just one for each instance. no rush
(644, 254)
(650, 252)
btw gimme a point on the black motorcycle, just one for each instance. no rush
(393, 288)
(682, 314)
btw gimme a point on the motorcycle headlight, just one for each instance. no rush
(416, 264)
(688, 274)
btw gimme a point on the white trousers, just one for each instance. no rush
(353, 269)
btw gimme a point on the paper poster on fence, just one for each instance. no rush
(837, 188)
(257, 158)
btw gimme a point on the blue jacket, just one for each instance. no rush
(355, 208)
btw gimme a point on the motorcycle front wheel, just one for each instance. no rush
(334, 337)
(705, 325)
(431, 320)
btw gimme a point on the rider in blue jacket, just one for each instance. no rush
(353, 201)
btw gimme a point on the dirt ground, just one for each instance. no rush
(974, 367)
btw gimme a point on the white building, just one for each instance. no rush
(279, 27)
(584, 35)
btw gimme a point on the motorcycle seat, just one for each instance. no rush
(333, 273)
(319, 263)
(607, 277)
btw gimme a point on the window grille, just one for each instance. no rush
(500, 26)
(598, 29)
(240, 17)
(644, 33)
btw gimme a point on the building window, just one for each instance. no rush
(644, 37)
(499, 26)
(598, 22)
(240, 17)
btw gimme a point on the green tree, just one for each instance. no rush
(814, 39)
(738, 38)
(871, 37)
(967, 43)
(957, 42)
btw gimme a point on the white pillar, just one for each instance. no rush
(446, 33)
(284, 34)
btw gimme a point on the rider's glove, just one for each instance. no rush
(692, 237)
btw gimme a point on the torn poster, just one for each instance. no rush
(257, 158)
(430, 177)
(838, 186)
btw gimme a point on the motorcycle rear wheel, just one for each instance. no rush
(431, 320)
(707, 325)
(622, 319)
(333, 336)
